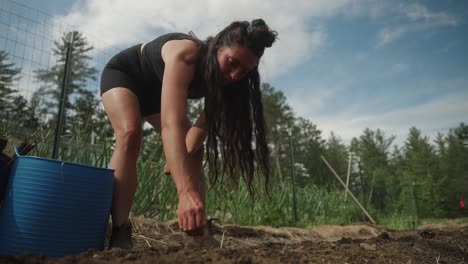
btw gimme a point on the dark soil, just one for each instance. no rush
(361, 243)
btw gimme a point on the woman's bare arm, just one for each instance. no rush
(194, 139)
(179, 57)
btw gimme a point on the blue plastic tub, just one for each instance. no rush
(54, 208)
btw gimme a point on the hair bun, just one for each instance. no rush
(260, 33)
(256, 22)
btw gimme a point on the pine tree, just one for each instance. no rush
(23, 114)
(308, 146)
(279, 119)
(337, 155)
(80, 101)
(372, 150)
(457, 169)
(16, 115)
(396, 184)
(420, 165)
(8, 73)
(306, 139)
(441, 170)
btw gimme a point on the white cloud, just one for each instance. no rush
(418, 12)
(123, 22)
(431, 117)
(417, 18)
(388, 35)
(304, 104)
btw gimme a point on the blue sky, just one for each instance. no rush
(345, 65)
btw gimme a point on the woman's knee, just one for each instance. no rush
(129, 137)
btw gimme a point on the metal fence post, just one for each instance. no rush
(415, 204)
(347, 175)
(63, 94)
(293, 177)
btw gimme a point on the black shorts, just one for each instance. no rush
(124, 70)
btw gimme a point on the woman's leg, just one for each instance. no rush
(123, 110)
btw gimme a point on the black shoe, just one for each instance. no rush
(121, 236)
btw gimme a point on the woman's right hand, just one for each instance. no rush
(191, 213)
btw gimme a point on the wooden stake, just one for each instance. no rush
(347, 189)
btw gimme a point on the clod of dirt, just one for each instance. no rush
(383, 236)
(205, 242)
(367, 246)
(427, 234)
(345, 240)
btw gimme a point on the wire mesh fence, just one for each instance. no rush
(32, 69)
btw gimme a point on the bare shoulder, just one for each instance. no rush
(180, 50)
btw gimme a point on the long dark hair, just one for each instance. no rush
(234, 113)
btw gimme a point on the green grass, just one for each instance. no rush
(398, 221)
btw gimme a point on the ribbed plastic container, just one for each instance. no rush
(54, 208)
